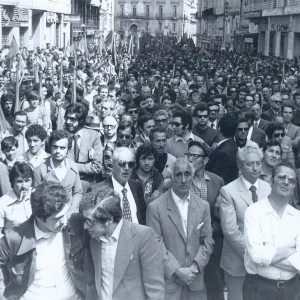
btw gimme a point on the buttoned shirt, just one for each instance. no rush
(118, 188)
(52, 280)
(20, 136)
(200, 188)
(248, 184)
(183, 208)
(79, 133)
(14, 211)
(264, 232)
(108, 256)
(61, 171)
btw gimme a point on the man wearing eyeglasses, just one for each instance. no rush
(214, 109)
(234, 198)
(183, 227)
(207, 185)
(272, 235)
(126, 256)
(130, 191)
(241, 134)
(276, 103)
(110, 126)
(201, 129)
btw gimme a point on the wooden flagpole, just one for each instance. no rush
(41, 88)
(61, 78)
(74, 79)
(17, 103)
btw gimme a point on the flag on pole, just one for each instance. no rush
(108, 40)
(13, 50)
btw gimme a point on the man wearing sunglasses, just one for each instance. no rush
(126, 256)
(272, 253)
(276, 103)
(130, 191)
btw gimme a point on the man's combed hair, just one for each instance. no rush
(47, 199)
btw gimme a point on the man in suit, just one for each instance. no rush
(86, 148)
(126, 257)
(45, 255)
(182, 224)
(200, 129)
(290, 129)
(207, 186)
(222, 160)
(276, 103)
(258, 121)
(233, 200)
(130, 191)
(255, 134)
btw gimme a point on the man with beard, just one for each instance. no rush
(86, 146)
(7, 104)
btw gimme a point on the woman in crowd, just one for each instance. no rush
(15, 205)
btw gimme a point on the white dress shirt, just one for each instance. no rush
(36, 160)
(264, 232)
(52, 280)
(183, 208)
(118, 189)
(108, 257)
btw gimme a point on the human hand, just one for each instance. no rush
(185, 275)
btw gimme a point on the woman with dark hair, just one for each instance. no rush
(15, 206)
(272, 156)
(152, 181)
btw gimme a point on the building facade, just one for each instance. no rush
(175, 19)
(278, 26)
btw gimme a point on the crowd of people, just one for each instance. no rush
(172, 174)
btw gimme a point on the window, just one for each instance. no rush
(134, 10)
(147, 26)
(175, 11)
(160, 10)
(174, 27)
(147, 10)
(122, 10)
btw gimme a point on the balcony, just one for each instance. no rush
(209, 12)
(131, 16)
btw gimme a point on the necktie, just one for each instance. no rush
(126, 206)
(255, 124)
(212, 125)
(253, 192)
(76, 148)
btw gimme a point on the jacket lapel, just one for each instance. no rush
(175, 216)
(124, 253)
(262, 192)
(244, 193)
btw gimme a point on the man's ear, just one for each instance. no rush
(205, 160)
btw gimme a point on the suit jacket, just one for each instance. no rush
(263, 125)
(233, 200)
(208, 135)
(294, 133)
(268, 115)
(90, 139)
(18, 253)
(258, 136)
(181, 250)
(137, 192)
(138, 272)
(222, 161)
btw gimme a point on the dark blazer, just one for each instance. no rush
(268, 115)
(138, 270)
(258, 136)
(180, 250)
(222, 161)
(208, 135)
(137, 192)
(263, 125)
(18, 253)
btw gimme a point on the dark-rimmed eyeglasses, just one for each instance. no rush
(284, 177)
(109, 126)
(202, 116)
(134, 111)
(126, 136)
(277, 135)
(71, 119)
(193, 155)
(242, 129)
(130, 164)
(176, 124)
(161, 120)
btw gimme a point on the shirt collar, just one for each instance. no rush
(13, 197)
(118, 187)
(190, 137)
(42, 154)
(116, 234)
(177, 199)
(79, 133)
(52, 165)
(39, 234)
(269, 209)
(248, 184)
